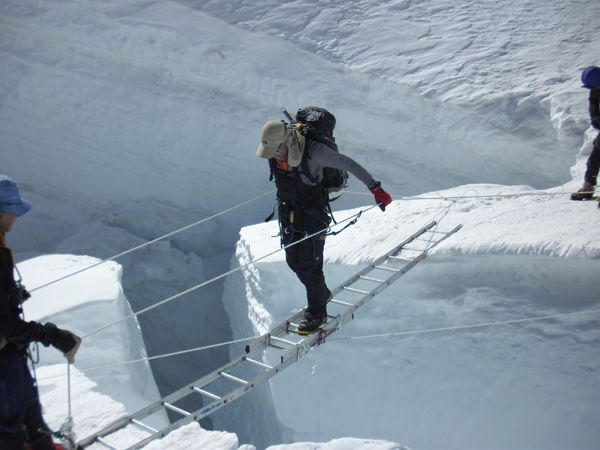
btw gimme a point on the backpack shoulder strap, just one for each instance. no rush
(304, 166)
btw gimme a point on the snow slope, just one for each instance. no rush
(124, 121)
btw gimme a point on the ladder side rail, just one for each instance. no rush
(348, 314)
(218, 404)
(446, 236)
(262, 342)
(381, 259)
(107, 445)
(116, 425)
(282, 328)
(390, 280)
(301, 348)
(159, 404)
(402, 270)
(258, 346)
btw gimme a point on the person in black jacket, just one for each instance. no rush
(590, 77)
(21, 420)
(303, 207)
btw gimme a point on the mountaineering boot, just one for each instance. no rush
(312, 321)
(586, 192)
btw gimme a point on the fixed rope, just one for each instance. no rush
(350, 338)
(477, 196)
(146, 244)
(467, 327)
(397, 197)
(223, 275)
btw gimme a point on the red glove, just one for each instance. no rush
(382, 198)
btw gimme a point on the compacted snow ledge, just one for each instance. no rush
(517, 257)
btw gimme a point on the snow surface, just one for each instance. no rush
(124, 121)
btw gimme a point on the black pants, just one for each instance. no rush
(306, 257)
(21, 418)
(593, 163)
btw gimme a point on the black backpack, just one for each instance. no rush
(317, 124)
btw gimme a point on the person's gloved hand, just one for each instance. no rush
(382, 198)
(68, 343)
(64, 340)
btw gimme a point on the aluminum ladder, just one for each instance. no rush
(283, 339)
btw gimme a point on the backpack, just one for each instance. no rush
(317, 124)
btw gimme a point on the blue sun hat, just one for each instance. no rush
(10, 198)
(590, 77)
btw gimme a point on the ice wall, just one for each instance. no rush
(157, 101)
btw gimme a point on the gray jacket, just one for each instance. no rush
(320, 155)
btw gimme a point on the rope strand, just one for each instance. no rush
(466, 327)
(218, 277)
(415, 198)
(440, 197)
(153, 241)
(351, 338)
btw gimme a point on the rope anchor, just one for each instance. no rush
(66, 435)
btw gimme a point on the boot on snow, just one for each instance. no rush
(585, 193)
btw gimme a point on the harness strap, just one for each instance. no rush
(352, 222)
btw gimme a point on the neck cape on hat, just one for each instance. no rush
(275, 133)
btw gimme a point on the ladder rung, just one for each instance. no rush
(208, 394)
(283, 341)
(143, 426)
(389, 269)
(358, 291)
(176, 409)
(279, 347)
(106, 444)
(258, 363)
(376, 280)
(292, 328)
(232, 378)
(339, 302)
(408, 249)
(397, 258)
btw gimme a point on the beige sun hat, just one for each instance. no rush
(271, 137)
(275, 133)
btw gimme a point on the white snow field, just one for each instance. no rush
(127, 120)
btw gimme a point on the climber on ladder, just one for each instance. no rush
(299, 157)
